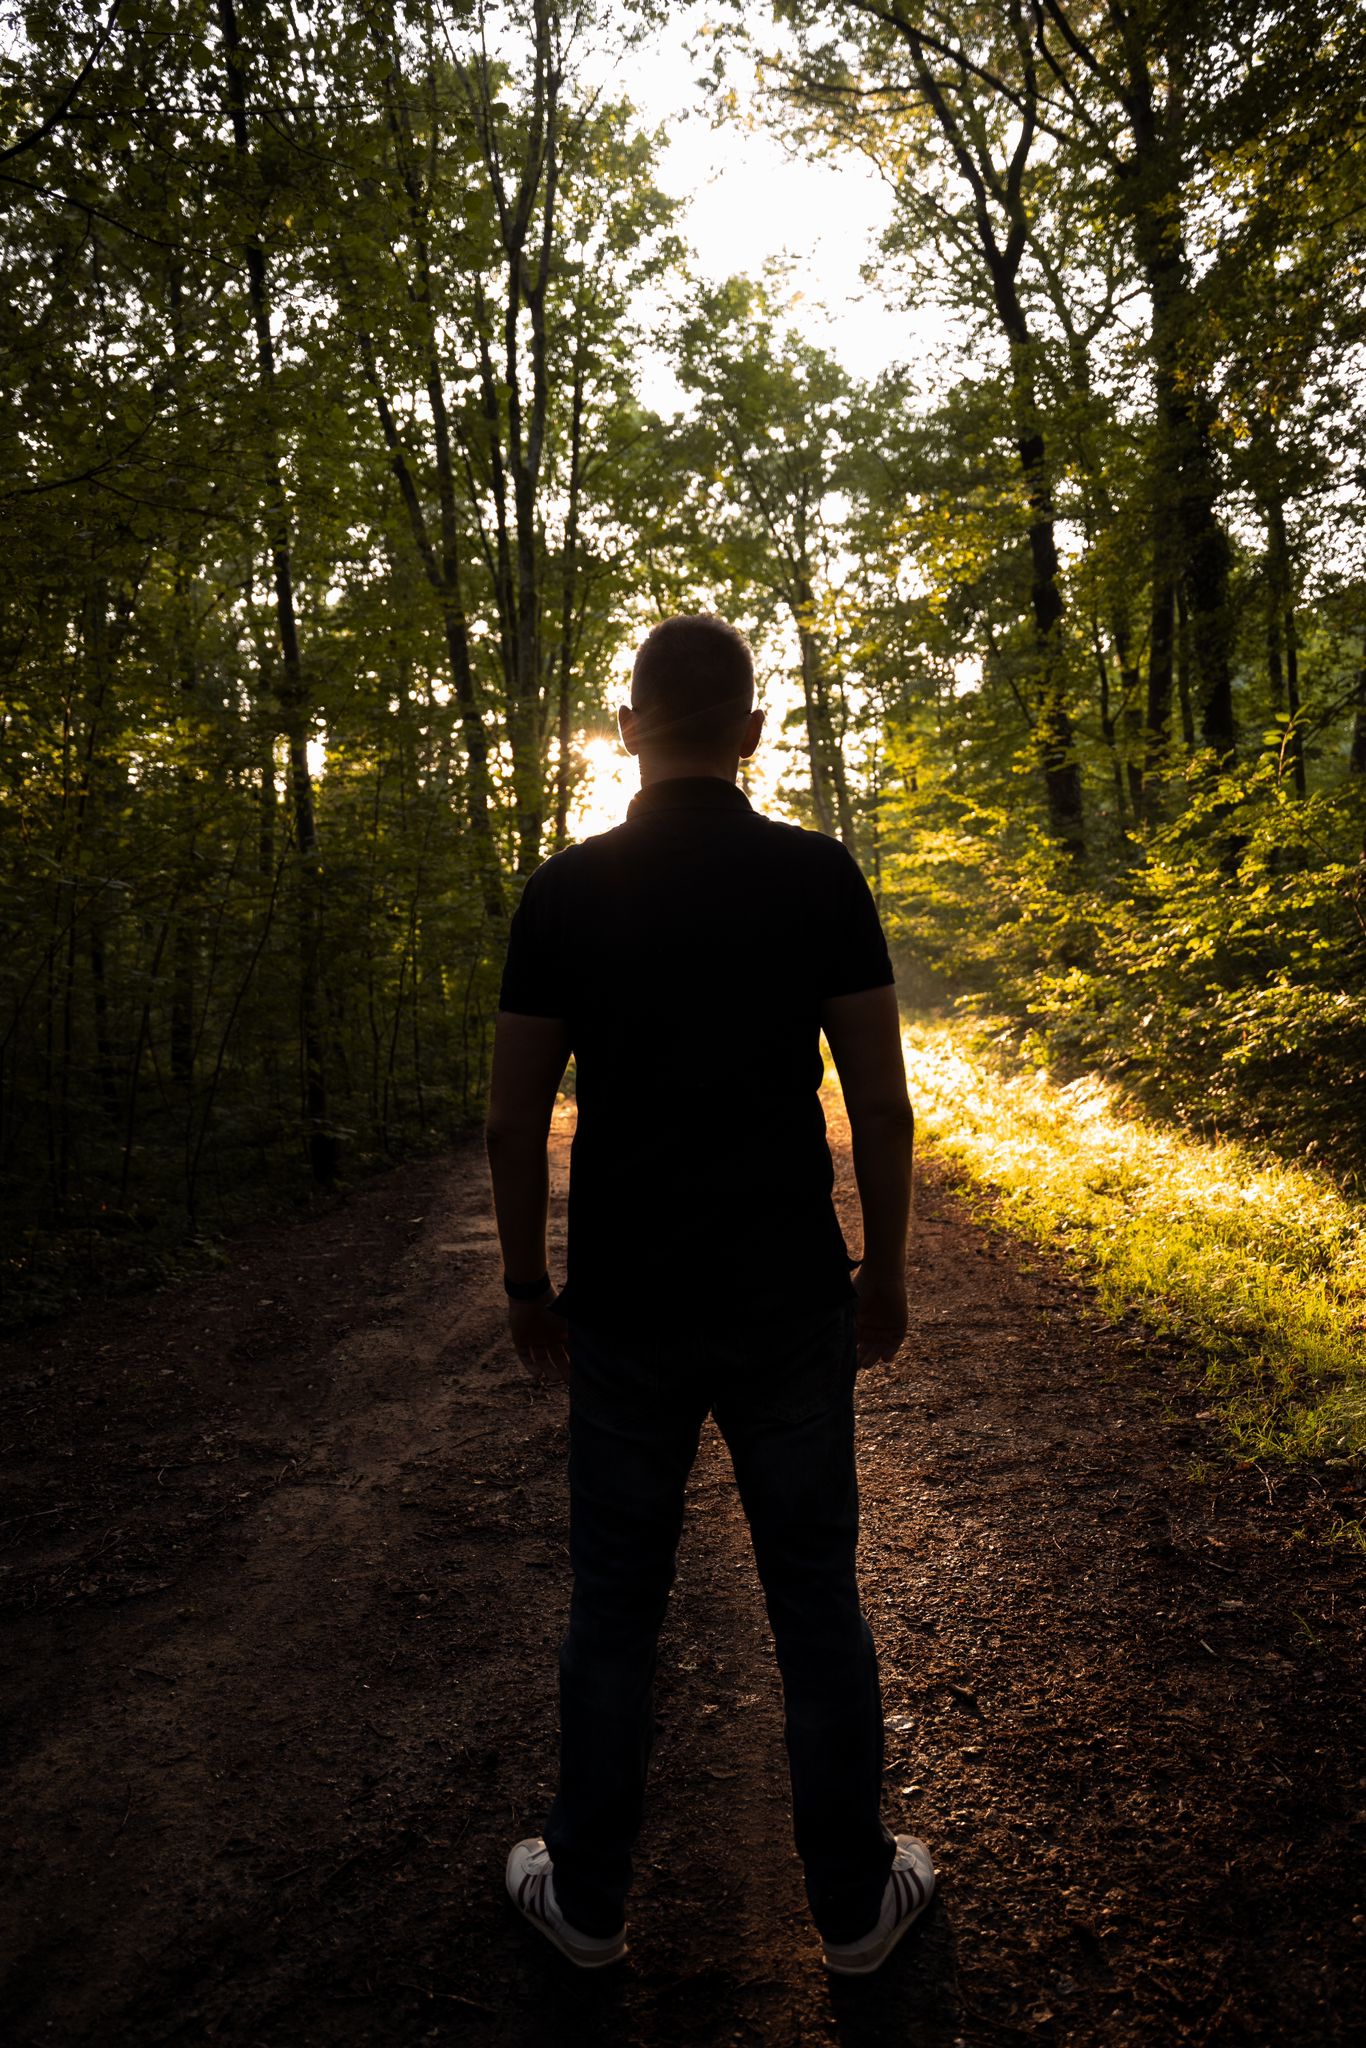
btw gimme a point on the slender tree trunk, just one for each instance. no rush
(817, 739)
(992, 186)
(1161, 674)
(104, 642)
(1357, 758)
(442, 566)
(545, 178)
(1183, 669)
(268, 804)
(64, 1069)
(1054, 738)
(1292, 699)
(815, 747)
(524, 215)
(267, 794)
(1283, 661)
(1186, 476)
(566, 663)
(185, 936)
(321, 1140)
(829, 782)
(443, 573)
(839, 773)
(1131, 708)
(139, 1047)
(104, 1044)
(1108, 730)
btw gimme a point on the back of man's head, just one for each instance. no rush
(692, 685)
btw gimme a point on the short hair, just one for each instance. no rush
(693, 682)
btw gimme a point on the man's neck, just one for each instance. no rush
(678, 768)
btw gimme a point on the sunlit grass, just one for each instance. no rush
(1260, 1267)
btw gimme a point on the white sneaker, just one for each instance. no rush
(909, 1890)
(531, 1887)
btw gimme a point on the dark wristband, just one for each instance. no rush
(526, 1290)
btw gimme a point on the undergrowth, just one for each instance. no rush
(1259, 1265)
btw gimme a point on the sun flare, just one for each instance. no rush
(610, 779)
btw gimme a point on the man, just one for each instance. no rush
(689, 960)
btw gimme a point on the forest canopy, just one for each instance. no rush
(335, 495)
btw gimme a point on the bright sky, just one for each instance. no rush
(746, 200)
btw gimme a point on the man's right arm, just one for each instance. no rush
(864, 1033)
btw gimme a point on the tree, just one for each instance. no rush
(938, 124)
(764, 452)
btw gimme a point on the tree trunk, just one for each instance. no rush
(1282, 639)
(443, 569)
(815, 739)
(1052, 726)
(829, 782)
(1183, 669)
(1357, 758)
(566, 650)
(1053, 735)
(1186, 478)
(1161, 672)
(104, 1046)
(1108, 729)
(525, 217)
(1131, 708)
(844, 809)
(320, 1139)
(267, 801)
(105, 640)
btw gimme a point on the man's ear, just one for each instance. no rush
(754, 726)
(628, 724)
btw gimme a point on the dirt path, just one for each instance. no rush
(285, 1575)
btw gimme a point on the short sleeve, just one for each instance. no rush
(534, 981)
(854, 956)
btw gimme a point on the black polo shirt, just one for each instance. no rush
(690, 950)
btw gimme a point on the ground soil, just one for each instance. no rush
(285, 1574)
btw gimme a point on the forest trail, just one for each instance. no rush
(285, 1572)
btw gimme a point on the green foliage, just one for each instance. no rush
(1221, 972)
(321, 492)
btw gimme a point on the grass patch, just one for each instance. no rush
(1262, 1266)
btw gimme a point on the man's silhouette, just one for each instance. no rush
(689, 960)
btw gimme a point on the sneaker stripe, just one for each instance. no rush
(530, 1884)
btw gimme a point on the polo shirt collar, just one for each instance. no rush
(688, 793)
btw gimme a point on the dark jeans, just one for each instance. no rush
(785, 1406)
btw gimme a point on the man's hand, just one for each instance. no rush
(881, 1314)
(541, 1339)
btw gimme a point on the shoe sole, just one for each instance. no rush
(573, 1955)
(875, 1958)
(596, 1958)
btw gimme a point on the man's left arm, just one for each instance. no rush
(529, 1058)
